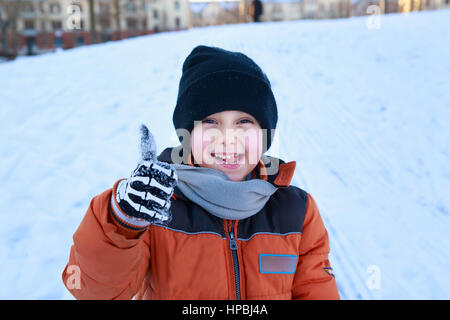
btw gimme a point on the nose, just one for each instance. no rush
(227, 139)
(230, 137)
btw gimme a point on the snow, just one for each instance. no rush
(363, 111)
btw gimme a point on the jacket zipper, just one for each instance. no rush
(234, 247)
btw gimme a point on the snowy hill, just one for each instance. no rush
(364, 112)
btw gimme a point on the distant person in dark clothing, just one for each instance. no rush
(256, 10)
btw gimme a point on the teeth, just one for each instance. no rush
(223, 157)
(226, 158)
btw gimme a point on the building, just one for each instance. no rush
(281, 10)
(210, 12)
(207, 13)
(36, 26)
(168, 15)
(359, 7)
(325, 9)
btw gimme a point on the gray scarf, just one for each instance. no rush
(213, 191)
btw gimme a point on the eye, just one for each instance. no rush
(246, 121)
(212, 121)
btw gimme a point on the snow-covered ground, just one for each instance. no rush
(365, 113)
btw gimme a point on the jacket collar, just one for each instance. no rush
(265, 170)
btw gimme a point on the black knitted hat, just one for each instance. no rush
(216, 80)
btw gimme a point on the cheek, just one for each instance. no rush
(207, 138)
(201, 143)
(253, 146)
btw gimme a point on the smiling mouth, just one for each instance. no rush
(227, 158)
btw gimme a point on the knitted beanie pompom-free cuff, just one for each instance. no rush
(215, 80)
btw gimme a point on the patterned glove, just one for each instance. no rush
(144, 197)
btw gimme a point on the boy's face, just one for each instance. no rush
(229, 141)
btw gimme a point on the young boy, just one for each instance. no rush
(209, 219)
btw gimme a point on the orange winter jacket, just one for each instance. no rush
(279, 253)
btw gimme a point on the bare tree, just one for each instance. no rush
(4, 23)
(12, 11)
(92, 21)
(117, 18)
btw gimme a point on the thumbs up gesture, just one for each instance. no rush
(144, 197)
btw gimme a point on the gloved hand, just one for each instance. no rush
(146, 194)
